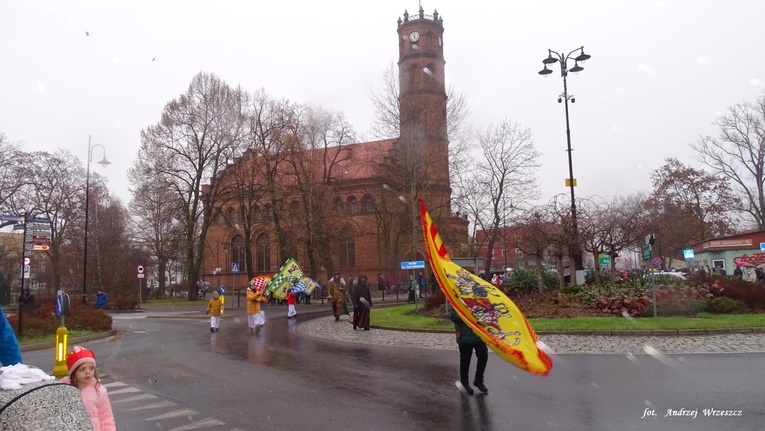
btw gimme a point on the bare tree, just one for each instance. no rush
(738, 154)
(11, 161)
(53, 187)
(322, 145)
(502, 181)
(155, 224)
(199, 134)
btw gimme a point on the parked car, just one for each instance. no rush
(679, 275)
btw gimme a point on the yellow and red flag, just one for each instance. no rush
(484, 307)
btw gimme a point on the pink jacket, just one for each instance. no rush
(97, 404)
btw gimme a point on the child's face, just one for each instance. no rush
(84, 373)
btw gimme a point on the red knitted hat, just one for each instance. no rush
(78, 356)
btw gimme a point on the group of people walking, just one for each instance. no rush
(361, 298)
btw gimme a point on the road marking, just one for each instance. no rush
(207, 422)
(126, 317)
(124, 391)
(174, 414)
(113, 384)
(136, 398)
(159, 405)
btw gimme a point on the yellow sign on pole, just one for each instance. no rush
(568, 182)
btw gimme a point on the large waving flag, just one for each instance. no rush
(287, 275)
(483, 307)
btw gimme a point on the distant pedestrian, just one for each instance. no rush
(82, 374)
(467, 342)
(336, 298)
(737, 272)
(421, 285)
(26, 300)
(10, 353)
(380, 282)
(433, 284)
(362, 303)
(291, 312)
(214, 309)
(101, 299)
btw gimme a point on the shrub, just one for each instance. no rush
(435, 301)
(43, 320)
(687, 309)
(752, 294)
(525, 280)
(725, 305)
(123, 303)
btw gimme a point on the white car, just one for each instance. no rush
(679, 275)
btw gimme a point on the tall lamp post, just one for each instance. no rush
(552, 58)
(103, 163)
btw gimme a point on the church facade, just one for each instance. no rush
(354, 208)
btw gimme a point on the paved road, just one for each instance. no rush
(315, 374)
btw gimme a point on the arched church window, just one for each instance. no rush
(347, 248)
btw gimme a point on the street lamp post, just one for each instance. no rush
(103, 163)
(552, 58)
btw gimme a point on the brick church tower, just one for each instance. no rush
(423, 142)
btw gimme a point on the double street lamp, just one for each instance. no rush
(103, 163)
(552, 58)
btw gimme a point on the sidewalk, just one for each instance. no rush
(326, 328)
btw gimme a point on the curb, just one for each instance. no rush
(608, 332)
(52, 344)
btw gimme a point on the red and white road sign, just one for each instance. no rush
(140, 269)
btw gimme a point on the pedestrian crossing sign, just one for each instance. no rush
(234, 267)
(688, 254)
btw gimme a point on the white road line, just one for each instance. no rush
(124, 391)
(113, 384)
(161, 404)
(207, 422)
(136, 398)
(174, 414)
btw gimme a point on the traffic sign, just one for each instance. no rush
(646, 252)
(27, 261)
(656, 261)
(40, 247)
(417, 264)
(234, 268)
(62, 304)
(688, 254)
(26, 272)
(140, 269)
(604, 259)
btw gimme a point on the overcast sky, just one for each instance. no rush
(660, 72)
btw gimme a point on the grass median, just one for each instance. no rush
(25, 341)
(402, 317)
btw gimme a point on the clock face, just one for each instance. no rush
(414, 36)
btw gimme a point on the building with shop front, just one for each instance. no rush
(729, 251)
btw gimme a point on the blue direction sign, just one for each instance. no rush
(416, 264)
(234, 268)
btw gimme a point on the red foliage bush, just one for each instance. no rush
(43, 320)
(752, 294)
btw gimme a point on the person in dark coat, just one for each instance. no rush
(362, 302)
(467, 342)
(26, 300)
(412, 287)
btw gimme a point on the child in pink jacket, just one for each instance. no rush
(81, 365)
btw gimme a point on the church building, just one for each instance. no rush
(354, 209)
